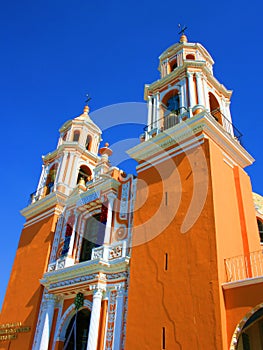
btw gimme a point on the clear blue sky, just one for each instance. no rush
(53, 52)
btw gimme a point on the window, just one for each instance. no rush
(77, 331)
(171, 105)
(215, 108)
(93, 236)
(190, 57)
(49, 186)
(64, 137)
(76, 136)
(260, 229)
(88, 143)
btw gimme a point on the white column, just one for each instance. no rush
(95, 320)
(41, 180)
(157, 108)
(191, 89)
(45, 324)
(200, 91)
(154, 109)
(150, 116)
(63, 162)
(118, 319)
(107, 236)
(182, 96)
(206, 96)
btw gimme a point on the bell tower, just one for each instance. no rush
(186, 87)
(74, 159)
(69, 166)
(194, 210)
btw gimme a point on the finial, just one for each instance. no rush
(105, 151)
(183, 38)
(86, 108)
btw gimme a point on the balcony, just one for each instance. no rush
(110, 253)
(242, 267)
(170, 119)
(41, 193)
(106, 253)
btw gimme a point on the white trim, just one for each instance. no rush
(172, 153)
(242, 283)
(53, 211)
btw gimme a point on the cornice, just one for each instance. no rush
(70, 146)
(182, 132)
(53, 199)
(87, 272)
(173, 49)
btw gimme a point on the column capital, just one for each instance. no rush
(120, 288)
(50, 299)
(189, 74)
(98, 290)
(198, 74)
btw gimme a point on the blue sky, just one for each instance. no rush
(53, 52)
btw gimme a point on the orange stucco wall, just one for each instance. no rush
(187, 299)
(24, 292)
(184, 299)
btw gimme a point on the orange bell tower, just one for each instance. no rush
(193, 273)
(72, 162)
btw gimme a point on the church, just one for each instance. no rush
(169, 259)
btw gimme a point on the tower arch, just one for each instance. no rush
(84, 174)
(66, 318)
(215, 108)
(246, 331)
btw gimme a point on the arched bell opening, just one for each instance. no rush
(190, 57)
(171, 108)
(76, 136)
(77, 331)
(173, 65)
(49, 185)
(84, 174)
(215, 108)
(88, 143)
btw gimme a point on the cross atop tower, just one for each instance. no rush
(182, 29)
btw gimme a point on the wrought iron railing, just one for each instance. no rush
(244, 266)
(171, 119)
(41, 193)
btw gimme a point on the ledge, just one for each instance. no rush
(242, 283)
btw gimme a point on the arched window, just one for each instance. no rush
(88, 143)
(49, 185)
(173, 64)
(64, 137)
(251, 332)
(190, 57)
(171, 105)
(80, 328)
(76, 136)
(260, 229)
(215, 108)
(84, 174)
(93, 236)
